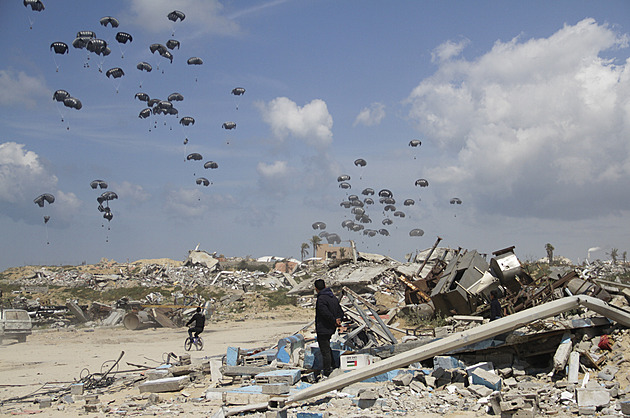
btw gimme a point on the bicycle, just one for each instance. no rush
(194, 341)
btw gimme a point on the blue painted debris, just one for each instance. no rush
(287, 345)
(231, 358)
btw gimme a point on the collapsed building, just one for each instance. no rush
(558, 350)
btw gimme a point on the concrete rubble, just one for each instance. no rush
(571, 363)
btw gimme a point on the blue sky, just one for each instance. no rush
(523, 110)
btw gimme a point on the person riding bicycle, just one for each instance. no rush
(200, 321)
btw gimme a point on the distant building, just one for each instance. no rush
(328, 252)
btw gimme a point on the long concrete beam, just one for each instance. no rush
(462, 339)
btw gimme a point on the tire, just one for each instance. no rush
(188, 344)
(199, 344)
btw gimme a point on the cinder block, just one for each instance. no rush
(45, 402)
(403, 379)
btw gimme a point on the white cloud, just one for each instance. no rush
(129, 192)
(277, 178)
(23, 177)
(185, 203)
(22, 89)
(539, 127)
(448, 50)
(311, 123)
(274, 171)
(204, 17)
(371, 116)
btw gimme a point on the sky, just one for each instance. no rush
(522, 110)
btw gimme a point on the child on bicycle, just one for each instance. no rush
(200, 321)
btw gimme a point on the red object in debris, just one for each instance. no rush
(605, 343)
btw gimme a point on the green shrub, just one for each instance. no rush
(279, 298)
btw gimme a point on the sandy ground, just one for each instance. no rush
(60, 355)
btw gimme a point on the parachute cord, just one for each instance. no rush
(30, 22)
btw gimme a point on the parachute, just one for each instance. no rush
(416, 232)
(167, 55)
(86, 34)
(142, 97)
(194, 61)
(343, 177)
(229, 125)
(387, 221)
(238, 91)
(59, 47)
(44, 198)
(345, 185)
(368, 191)
(211, 164)
(387, 200)
(106, 197)
(157, 47)
(203, 180)
(36, 5)
(145, 113)
(176, 14)
(368, 201)
(384, 232)
(399, 214)
(98, 184)
(116, 72)
(46, 219)
(112, 21)
(409, 202)
(360, 162)
(333, 239)
(187, 120)
(60, 95)
(385, 193)
(422, 182)
(415, 143)
(144, 66)
(390, 208)
(72, 102)
(194, 156)
(172, 44)
(177, 97)
(123, 37)
(456, 200)
(96, 45)
(319, 225)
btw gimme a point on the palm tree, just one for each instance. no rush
(304, 250)
(614, 253)
(315, 240)
(549, 248)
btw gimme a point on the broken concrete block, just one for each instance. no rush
(184, 359)
(447, 362)
(485, 365)
(312, 414)
(156, 374)
(417, 386)
(599, 397)
(288, 376)
(574, 367)
(275, 388)
(169, 384)
(561, 357)
(45, 402)
(480, 390)
(215, 371)
(276, 414)
(76, 389)
(483, 377)
(403, 379)
(587, 410)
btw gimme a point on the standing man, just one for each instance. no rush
(328, 316)
(200, 321)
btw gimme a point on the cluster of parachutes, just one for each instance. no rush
(361, 209)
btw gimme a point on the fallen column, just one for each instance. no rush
(462, 339)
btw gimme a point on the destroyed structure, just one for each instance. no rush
(560, 348)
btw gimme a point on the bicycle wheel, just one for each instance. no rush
(199, 344)
(188, 344)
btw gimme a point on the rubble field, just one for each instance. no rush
(417, 339)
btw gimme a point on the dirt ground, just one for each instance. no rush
(60, 355)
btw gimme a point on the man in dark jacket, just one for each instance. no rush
(200, 321)
(328, 316)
